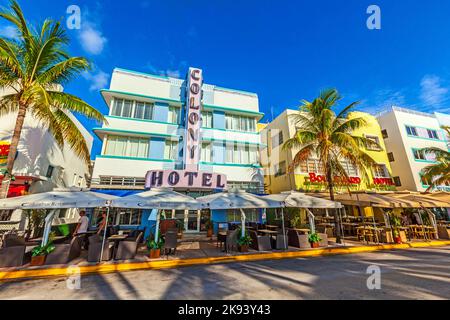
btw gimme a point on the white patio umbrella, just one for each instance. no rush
(57, 199)
(293, 199)
(158, 199)
(238, 200)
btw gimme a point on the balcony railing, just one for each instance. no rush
(118, 181)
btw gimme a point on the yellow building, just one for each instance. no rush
(309, 177)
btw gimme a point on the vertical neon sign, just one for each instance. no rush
(193, 119)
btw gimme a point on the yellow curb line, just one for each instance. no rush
(164, 264)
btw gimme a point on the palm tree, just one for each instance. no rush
(33, 67)
(329, 137)
(439, 173)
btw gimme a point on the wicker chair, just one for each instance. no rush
(295, 239)
(260, 243)
(64, 253)
(13, 252)
(127, 248)
(95, 248)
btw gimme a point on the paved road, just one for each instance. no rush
(405, 274)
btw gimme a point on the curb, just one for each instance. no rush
(166, 264)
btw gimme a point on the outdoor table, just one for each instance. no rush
(269, 226)
(269, 232)
(304, 231)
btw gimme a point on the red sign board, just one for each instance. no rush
(315, 178)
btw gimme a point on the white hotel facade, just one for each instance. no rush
(406, 132)
(146, 131)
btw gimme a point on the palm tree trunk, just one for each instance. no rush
(337, 220)
(13, 149)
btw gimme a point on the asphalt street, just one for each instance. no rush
(405, 274)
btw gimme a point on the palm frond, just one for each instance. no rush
(65, 101)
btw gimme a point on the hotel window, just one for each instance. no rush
(205, 154)
(174, 114)
(122, 108)
(432, 134)
(312, 166)
(127, 147)
(350, 168)
(277, 140)
(240, 123)
(419, 154)
(234, 215)
(380, 171)
(280, 169)
(411, 131)
(171, 150)
(384, 134)
(50, 170)
(397, 181)
(241, 154)
(131, 217)
(391, 157)
(371, 146)
(207, 119)
(143, 110)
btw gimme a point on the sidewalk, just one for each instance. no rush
(188, 260)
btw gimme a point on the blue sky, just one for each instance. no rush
(283, 50)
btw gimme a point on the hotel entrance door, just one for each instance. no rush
(192, 221)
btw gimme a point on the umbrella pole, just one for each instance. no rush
(375, 228)
(157, 226)
(243, 222)
(47, 227)
(104, 234)
(282, 228)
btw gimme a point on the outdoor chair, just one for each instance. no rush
(171, 242)
(64, 253)
(231, 240)
(324, 241)
(13, 252)
(443, 232)
(95, 248)
(295, 239)
(260, 243)
(127, 248)
(281, 242)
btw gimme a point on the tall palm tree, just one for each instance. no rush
(439, 173)
(329, 137)
(34, 66)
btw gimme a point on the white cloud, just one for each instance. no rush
(167, 73)
(432, 93)
(92, 39)
(98, 79)
(9, 32)
(382, 99)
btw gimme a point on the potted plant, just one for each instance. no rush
(39, 253)
(209, 228)
(395, 223)
(155, 247)
(314, 239)
(244, 242)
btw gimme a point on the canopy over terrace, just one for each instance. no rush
(238, 200)
(420, 200)
(441, 196)
(159, 199)
(57, 199)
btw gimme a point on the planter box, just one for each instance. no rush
(37, 261)
(243, 248)
(315, 244)
(155, 253)
(403, 236)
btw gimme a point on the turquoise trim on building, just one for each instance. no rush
(235, 141)
(209, 106)
(143, 120)
(230, 164)
(228, 130)
(421, 160)
(147, 134)
(423, 138)
(139, 96)
(133, 158)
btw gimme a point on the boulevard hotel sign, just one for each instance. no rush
(190, 177)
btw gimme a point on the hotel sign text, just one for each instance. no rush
(185, 179)
(193, 118)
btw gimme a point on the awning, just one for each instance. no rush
(377, 200)
(440, 196)
(238, 200)
(58, 199)
(158, 199)
(295, 199)
(421, 200)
